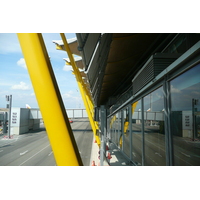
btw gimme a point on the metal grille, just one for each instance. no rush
(95, 71)
(155, 65)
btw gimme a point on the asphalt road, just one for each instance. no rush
(33, 148)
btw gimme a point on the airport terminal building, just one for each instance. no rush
(149, 88)
(141, 92)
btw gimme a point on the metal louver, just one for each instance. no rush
(155, 65)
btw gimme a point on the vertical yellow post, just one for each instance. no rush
(84, 93)
(49, 100)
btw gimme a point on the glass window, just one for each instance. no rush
(108, 128)
(185, 117)
(116, 129)
(120, 131)
(112, 133)
(154, 135)
(126, 133)
(178, 45)
(137, 132)
(182, 43)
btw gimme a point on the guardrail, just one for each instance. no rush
(71, 113)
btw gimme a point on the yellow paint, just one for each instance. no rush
(49, 100)
(83, 90)
(112, 121)
(134, 106)
(126, 123)
(120, 141)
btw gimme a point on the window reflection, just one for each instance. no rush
(126, 132)
(185, 117)
(120, 131)
(116, 129)
(154, 128)
(112, 129)
(178, 46)
(137, 133)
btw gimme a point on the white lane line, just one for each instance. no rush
(158, 154)
(185, 154)
(134, 154)
(50, 153)
(21, 154)
(34, 155)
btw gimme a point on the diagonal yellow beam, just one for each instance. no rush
(49, 100)
(83, 90)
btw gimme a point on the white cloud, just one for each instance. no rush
(21, 62)
(71, 100)
(67, 68)
(21, 86)
(175, 90)
(69, 95)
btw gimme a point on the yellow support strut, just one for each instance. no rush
(49, 100)
(84, 93)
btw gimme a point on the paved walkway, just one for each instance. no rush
(117, 158)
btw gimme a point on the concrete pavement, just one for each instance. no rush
(116, 156)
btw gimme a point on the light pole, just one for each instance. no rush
(9, 105)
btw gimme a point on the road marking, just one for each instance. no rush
(185, 154)
(158, 154)
(21, 154)
(34, 155)
(50, 153)
(134, 154)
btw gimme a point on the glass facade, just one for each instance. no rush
(120, 131)
(185, 117)
(163, 126)
(115, 129)
(126, 131)
(154, 136)
(137, 132)
(112, 129)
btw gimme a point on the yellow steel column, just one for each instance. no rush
(83, 90)
(49, 99)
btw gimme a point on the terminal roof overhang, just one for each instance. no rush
(125, 54)
(110, 61)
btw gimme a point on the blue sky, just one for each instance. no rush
(14, 77)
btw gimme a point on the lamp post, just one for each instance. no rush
(9, 99)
